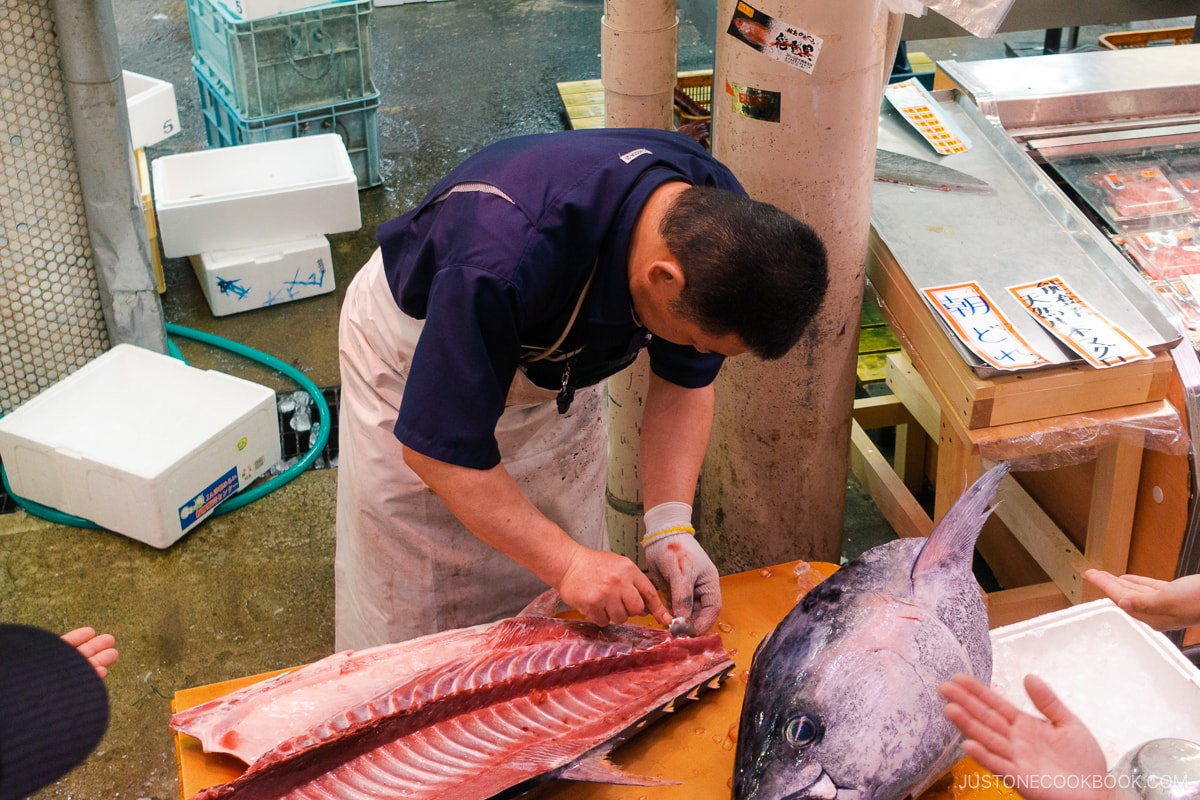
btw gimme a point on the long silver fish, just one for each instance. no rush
(842, 698)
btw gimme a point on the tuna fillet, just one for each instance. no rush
(509, 706)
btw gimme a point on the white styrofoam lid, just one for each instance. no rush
(1126, 681)
(135, 409)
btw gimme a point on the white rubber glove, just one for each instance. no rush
(679, 565)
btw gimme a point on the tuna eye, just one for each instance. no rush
(803, 730)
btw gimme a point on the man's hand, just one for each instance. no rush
(1163, 605)
(99, 649)
(1055, 758)
(679, 565)
(609, 589)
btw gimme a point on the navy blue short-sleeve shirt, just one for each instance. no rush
(496, 258)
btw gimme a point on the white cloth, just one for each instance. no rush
(405, 566)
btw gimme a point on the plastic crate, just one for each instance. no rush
(698, 87)
(1154, 37)
(355, 121)
(315, 57)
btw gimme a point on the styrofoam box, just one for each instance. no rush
(243, 280)
(1126, 681)
(153, 114)
(254, 194)
(140, 443)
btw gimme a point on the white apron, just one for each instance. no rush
(405, 566)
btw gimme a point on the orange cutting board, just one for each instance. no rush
(694, 745)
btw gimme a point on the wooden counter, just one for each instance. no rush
(694, 746)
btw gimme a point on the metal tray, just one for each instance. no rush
(1026, 230)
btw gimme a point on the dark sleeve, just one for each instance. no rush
(682, 365)
(462, 368)
(53, 709)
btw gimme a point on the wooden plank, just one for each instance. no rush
(885, 411)
(694, 744)
(1110, 521)
(907, 384)
(1025, 602)
(1042, 539)
(885, 488)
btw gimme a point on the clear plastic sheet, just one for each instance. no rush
(1047, 444)
(980, 17)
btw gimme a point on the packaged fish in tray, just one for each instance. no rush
(1139, 192)
(1129, 191)
(1186, 179)
(1167, 253)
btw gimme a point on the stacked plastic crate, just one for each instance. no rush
(289, 113)
(281, 69)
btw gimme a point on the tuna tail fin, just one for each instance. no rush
(952, 543)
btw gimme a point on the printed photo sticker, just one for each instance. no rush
(981, 326)
(779, 40)
(1076, 324)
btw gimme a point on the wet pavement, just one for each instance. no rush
(251, 591)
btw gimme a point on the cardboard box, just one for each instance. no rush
(153, 114)
(140, 443)
(1127, 682)
(243, 280)
(254, 194)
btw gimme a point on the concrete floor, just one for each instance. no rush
(251, 591)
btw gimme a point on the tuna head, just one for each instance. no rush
(841, 701)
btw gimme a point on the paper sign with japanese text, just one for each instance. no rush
(1079, 326)
(981, 326)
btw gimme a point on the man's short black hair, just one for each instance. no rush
(750, 269)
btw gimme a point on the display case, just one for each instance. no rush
(1114, 138)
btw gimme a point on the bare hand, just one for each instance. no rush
(1055, 758)
(98, 649)
(1163, 605)
(609, 589)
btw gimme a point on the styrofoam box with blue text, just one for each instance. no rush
(140, 443)
(254, 194)
(256, 277)
(1127, 682)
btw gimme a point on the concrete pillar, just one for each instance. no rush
(95, 94)
(639, 47)
(773, 486)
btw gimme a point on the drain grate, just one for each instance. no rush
(298, 428)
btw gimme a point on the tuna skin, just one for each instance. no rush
(842, 697)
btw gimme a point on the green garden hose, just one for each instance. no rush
(255, 491)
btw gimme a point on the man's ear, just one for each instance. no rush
(666, 276)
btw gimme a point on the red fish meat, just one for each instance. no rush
(528, 699)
